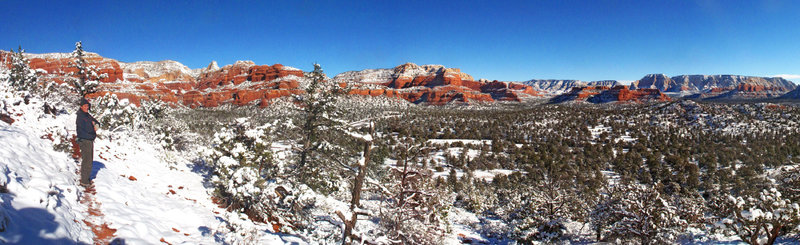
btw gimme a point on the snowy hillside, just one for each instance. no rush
(556, 87)
(142, 194)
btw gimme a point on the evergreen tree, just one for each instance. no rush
(318, 112)
(21, 77)
(86, 78)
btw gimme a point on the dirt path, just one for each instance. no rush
(103, 234)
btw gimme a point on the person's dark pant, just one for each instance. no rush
(87, 156)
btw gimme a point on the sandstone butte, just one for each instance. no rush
(245, 83)
(605, 94)
(437, 85)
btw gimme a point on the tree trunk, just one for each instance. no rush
(774, 233)
(358, 184)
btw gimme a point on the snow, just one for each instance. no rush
(41, 201)
(465, 142)
(155, 69)
(462, 221)
(143, 192)
(490, 174)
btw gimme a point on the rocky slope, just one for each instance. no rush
(745, 86)
(793, 95)
(247, 83)
(605, 94)
(172, 82)
(432, 84)
(555, 87)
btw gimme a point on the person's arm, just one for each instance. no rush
(95, 123)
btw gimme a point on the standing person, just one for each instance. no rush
(86, 126)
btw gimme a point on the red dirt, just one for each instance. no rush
(103, 233)
(164, 241)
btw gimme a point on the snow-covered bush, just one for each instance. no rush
(151, 110)
(166, 137)
(415, 210)
(540, 211)
(757, 219)
(633, 212)
(241, 157)
(788, 182)
(112, 112)
(62, 139)
(152, 115)
(474, 194)
(248, 180)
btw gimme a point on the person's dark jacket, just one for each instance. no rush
(84, 126)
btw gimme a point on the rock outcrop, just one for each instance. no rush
(244, 82)
(61, 64)
(241, 83)
(605, 94)
(792, 95)
(556, 87)
(432, 84)
(153, 72)
(622, 93)
(658, 81)
(754, 87)
(171, 82)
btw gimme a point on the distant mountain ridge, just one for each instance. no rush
(705, 83)
(244, 82)
(606, 94)
(554, 86)
(432, 84)
(792, 95)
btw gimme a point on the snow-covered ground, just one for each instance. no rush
(144, 195)
(40, 205)
(465, 142)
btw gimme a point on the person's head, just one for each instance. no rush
(85, 106)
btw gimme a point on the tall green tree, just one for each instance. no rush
(318, 112)
(87, 77)
(21, 77)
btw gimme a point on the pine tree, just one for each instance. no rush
(22, 77)
(86, 78)
(415, 210)
(318, 112)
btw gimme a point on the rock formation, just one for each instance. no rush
(244, 82)
(605, 94)
(431, 84)
(174, 83)
(792, 95)
(757, 86)
(556, 87)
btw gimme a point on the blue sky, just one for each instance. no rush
(502, 40)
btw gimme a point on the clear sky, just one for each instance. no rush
(497, 40)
